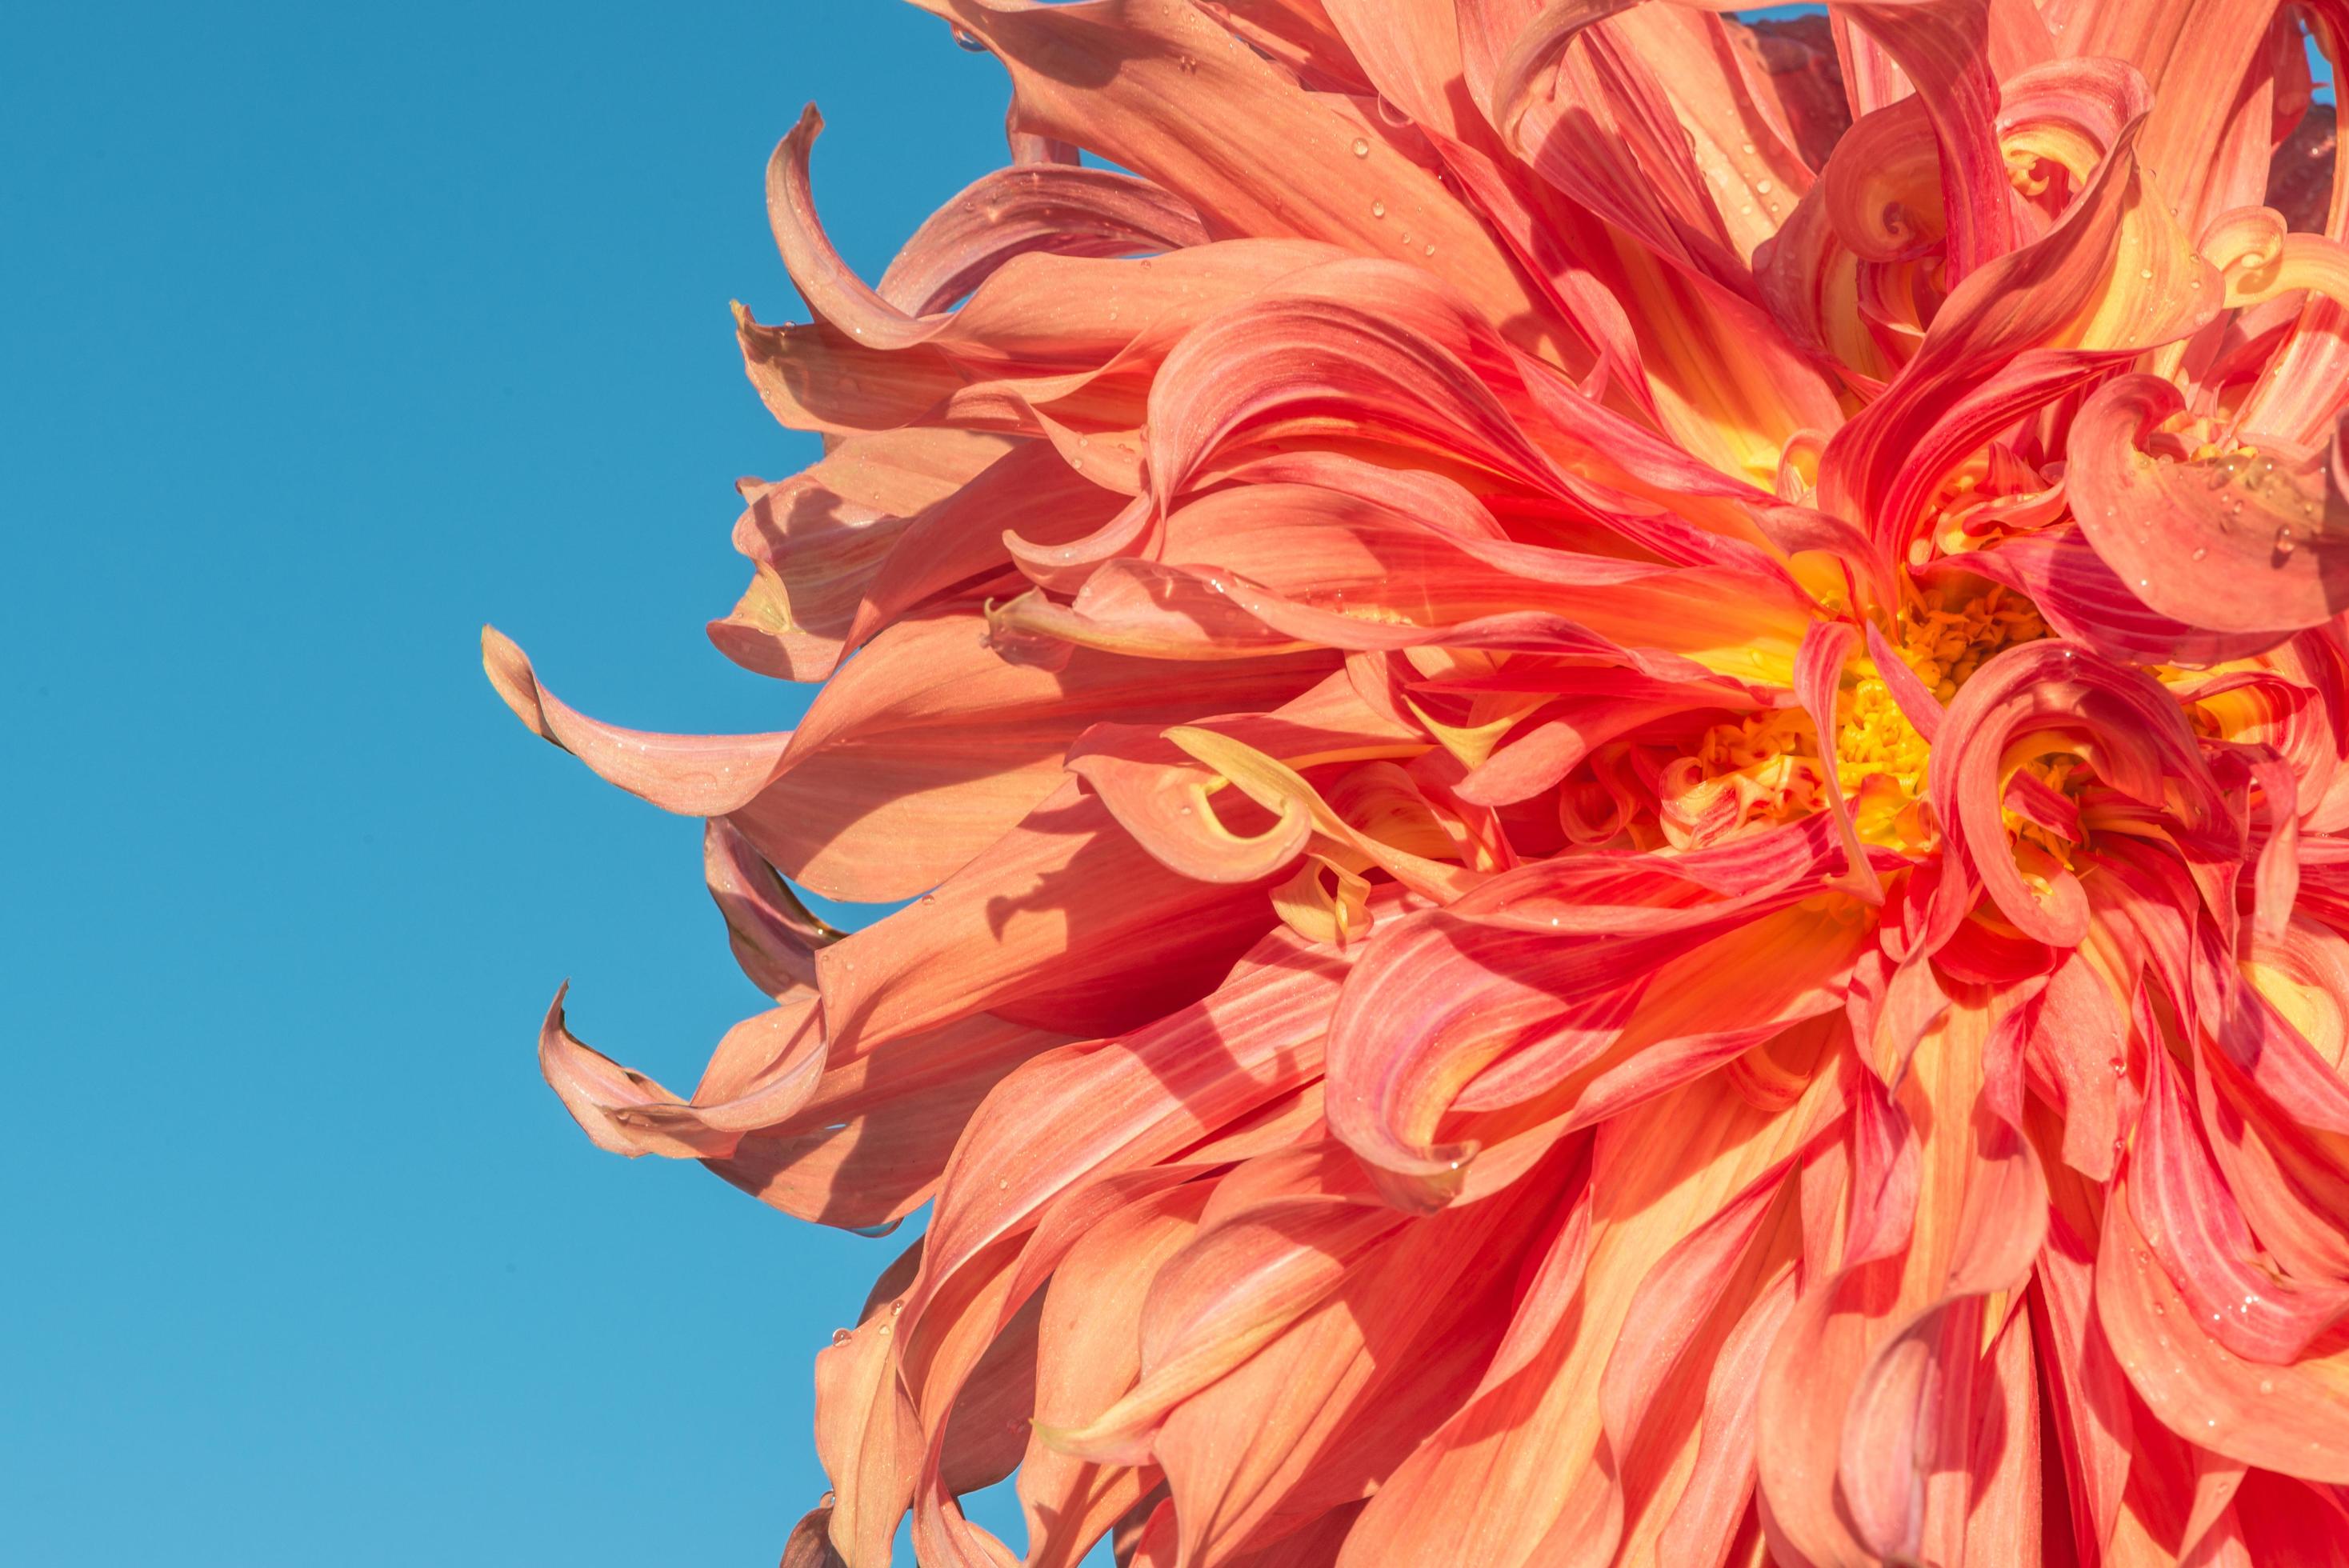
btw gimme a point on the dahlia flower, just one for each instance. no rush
(1619, 743)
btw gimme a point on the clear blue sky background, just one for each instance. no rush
(326, 334)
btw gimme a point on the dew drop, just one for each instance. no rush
(1001, 1182)
(885, 1328)
(1431, 250)
(967, 40)
(2146, 274)
(2201, 551)
(896, 1306)
(1378, 209)
(2285, 542)
(1762, 188)
(1362, 147)
(841, 1336)
(1747, 148)
(2267, 1385)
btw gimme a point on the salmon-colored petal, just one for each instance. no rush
(1324, 1413)
(1234, 1289)
(2079, 290)
(2293, 1419)
(809, 1545)
(774, 935)
(1943, 48)
(2089, 1398)
(2085, 602)
(1715, 1500)
(968, 744)
(868, 1146)
(1436, 1001)
(819, 538)
(591, 1085)
(1066, 920)
(2238, 543)
(2196, 58)
(964, 544)
(1870, 1391)
(2196, 1229)
(1090, 1353)
(1139, 1101)
(868, 1438)
(1186, 106)
(697, 775)
(1524, 1455)
(1057, 207)
(2142, 741)
(1678, 1389)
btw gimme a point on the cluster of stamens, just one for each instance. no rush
(1769, 766)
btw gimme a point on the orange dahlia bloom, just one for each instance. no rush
(1626, 795)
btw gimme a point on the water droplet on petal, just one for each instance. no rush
(842, 1336)
(1762, 188)
(1362, 147)
(967, 39)
(1378, 209)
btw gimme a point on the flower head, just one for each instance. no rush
(1625, 794)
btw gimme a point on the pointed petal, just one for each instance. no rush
(694, 775)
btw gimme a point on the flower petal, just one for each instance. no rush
(2233, 544)
(2292, 1420)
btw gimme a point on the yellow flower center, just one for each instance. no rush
(1771, 761)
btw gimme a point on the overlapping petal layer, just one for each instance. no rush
(1619, 739)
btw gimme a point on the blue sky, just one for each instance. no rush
(331, 333)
